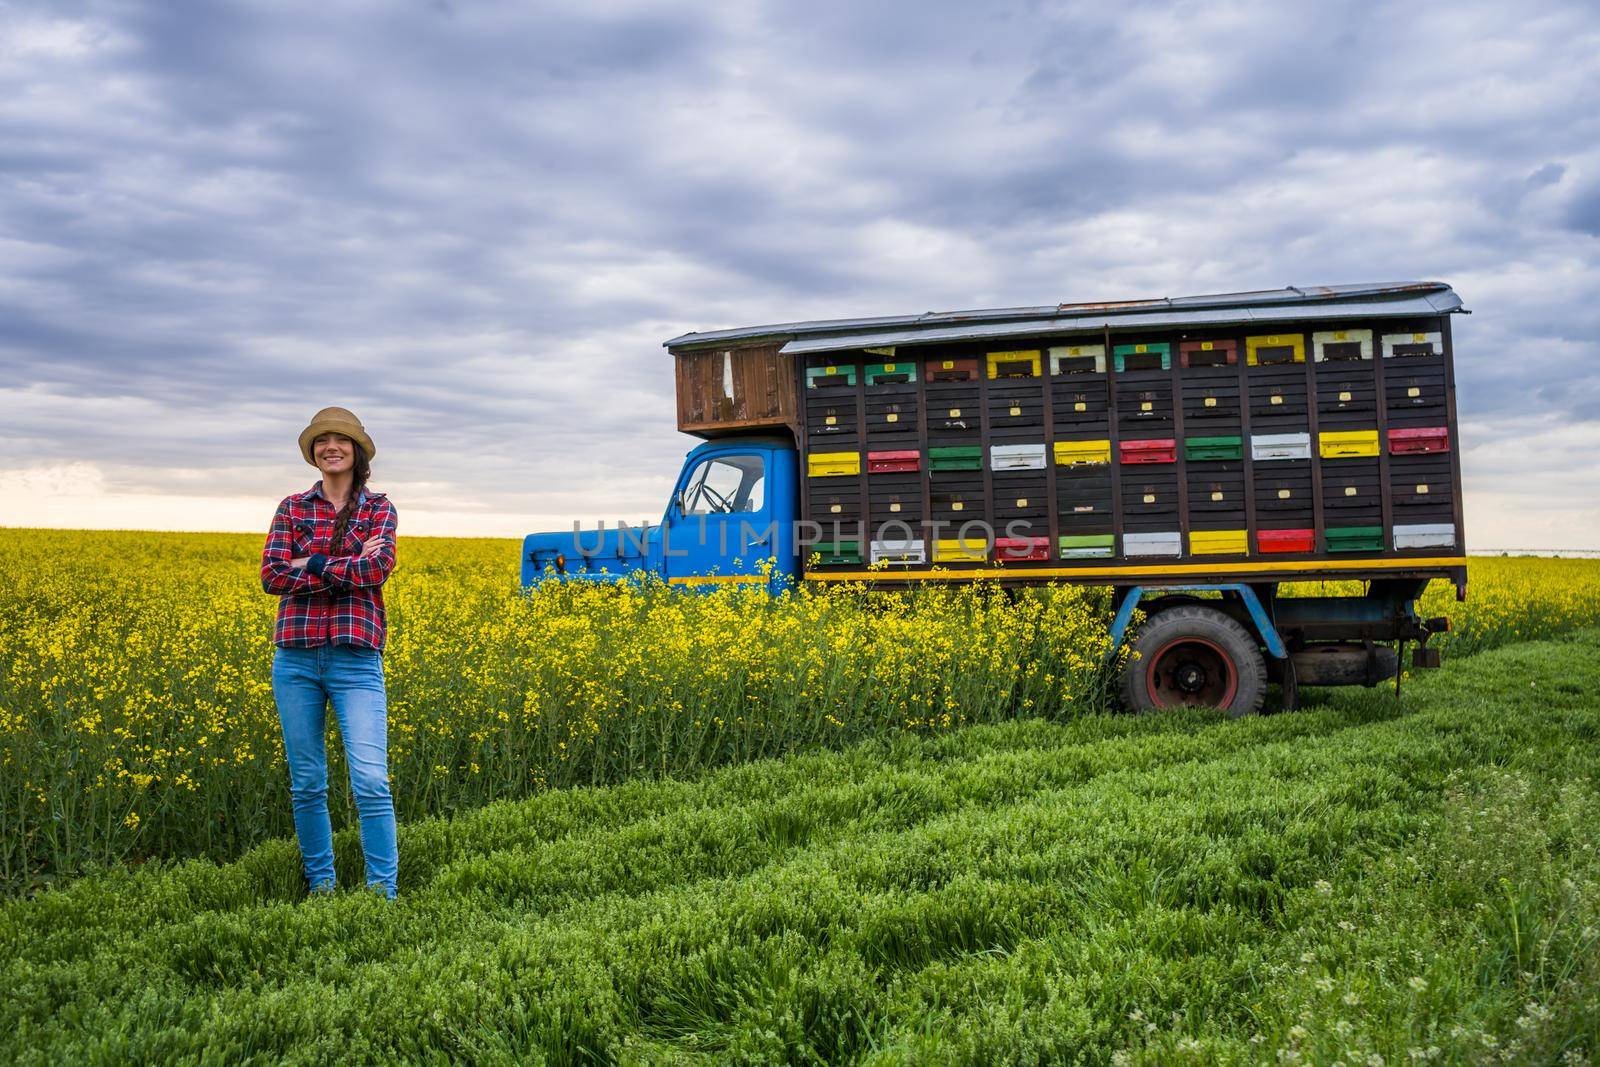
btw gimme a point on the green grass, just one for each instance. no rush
(1414, 881)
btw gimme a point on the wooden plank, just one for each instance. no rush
(1430, 567)
(762, 389)
(720, 427)
(1450, 426)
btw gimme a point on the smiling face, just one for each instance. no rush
(334, 452)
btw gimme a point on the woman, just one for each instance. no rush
(328, 554)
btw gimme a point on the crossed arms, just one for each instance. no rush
(283, 574)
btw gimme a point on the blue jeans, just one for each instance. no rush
(304, 680)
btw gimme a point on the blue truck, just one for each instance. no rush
(1197, 455)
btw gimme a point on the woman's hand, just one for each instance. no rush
(366, 550)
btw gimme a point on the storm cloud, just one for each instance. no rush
(474, 223)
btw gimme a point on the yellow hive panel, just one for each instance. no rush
(1219, 543)
(1296, 341)
(833, 464)
(1343, 444)
(1078, 453)
(956, 550)
(1031, 356)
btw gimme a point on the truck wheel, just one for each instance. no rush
(1195, 656)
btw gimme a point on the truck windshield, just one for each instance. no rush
(722, 485)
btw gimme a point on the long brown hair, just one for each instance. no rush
(358, 482)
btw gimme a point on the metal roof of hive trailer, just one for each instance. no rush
(1384, 300)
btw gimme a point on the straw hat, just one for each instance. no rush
(334, 420)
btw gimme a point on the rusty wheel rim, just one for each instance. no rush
(1191, 672)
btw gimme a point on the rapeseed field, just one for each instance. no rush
(137, 722)
(137, 719)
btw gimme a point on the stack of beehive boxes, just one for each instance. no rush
(1216, 445)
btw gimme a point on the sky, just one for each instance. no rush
(474, 223)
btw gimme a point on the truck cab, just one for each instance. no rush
(729, 520)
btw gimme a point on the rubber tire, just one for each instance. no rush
(1189, 621)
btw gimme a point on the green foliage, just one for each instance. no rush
(1415, 881)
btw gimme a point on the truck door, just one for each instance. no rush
(720, 523)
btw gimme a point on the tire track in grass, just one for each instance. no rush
(283, 926)
(203, 945)
(704, 924)
(897, 933)
(656, 975)
(701, 923)
(83, 914)
(1511, 691)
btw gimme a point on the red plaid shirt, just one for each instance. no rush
(343, 604)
